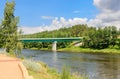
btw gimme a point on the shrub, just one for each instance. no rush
(65, 73)
(31, 65)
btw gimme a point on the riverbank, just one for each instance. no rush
(48, 73)
(88, 50)
(42, 49)
(40, 70)
(84, 50)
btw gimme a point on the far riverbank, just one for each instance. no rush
(88, 50)
(83, 50)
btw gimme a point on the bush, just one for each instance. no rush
(31, 65)
(65, 73)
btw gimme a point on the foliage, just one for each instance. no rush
(8, 32)
(30, 65)
(65, 73)
(110, 50)
(19, 48)
(40, 70)
(100, 38)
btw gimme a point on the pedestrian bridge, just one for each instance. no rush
(54, 40)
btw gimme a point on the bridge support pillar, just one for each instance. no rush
(54, 46)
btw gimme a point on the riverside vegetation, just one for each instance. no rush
(39, 70)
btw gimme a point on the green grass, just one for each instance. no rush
(53, 74)
(46, 49)
(67, 75)
(41, 75)
(88, 50)
(39, 70)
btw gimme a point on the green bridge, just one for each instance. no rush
(54, 40)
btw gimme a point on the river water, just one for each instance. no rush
(95, 66)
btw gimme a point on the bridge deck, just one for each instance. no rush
(49, 39)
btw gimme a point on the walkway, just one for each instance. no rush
(12, 68)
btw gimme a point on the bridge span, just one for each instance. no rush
(54, 40)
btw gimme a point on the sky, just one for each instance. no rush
(41, 15)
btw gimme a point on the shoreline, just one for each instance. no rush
(89, 51)
(83, 50)
(40, 70)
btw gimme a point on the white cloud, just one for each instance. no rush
(109, 12)
(107, 5)
(30, 30)
(47, 17)
(95, 22)
(76, 11)
(57, 23)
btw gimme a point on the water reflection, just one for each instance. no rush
(54, 57)
(96, 66)
(109, 69)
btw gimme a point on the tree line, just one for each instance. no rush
(101, 37)
(93, 37)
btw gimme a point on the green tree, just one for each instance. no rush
(100, 38)
(9, 28)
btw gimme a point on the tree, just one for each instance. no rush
(9, 28)
(100, 38)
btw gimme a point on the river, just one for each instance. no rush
(95, 66)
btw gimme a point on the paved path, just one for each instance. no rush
(12, 68)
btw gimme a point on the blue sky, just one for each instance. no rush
(30, 11)
(43, 15)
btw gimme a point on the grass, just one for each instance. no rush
(39, 70)
(42, 49)
(42, 75)
(110, 50)
(88, 50)
(67, 75)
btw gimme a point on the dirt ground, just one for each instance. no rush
(12, 68)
